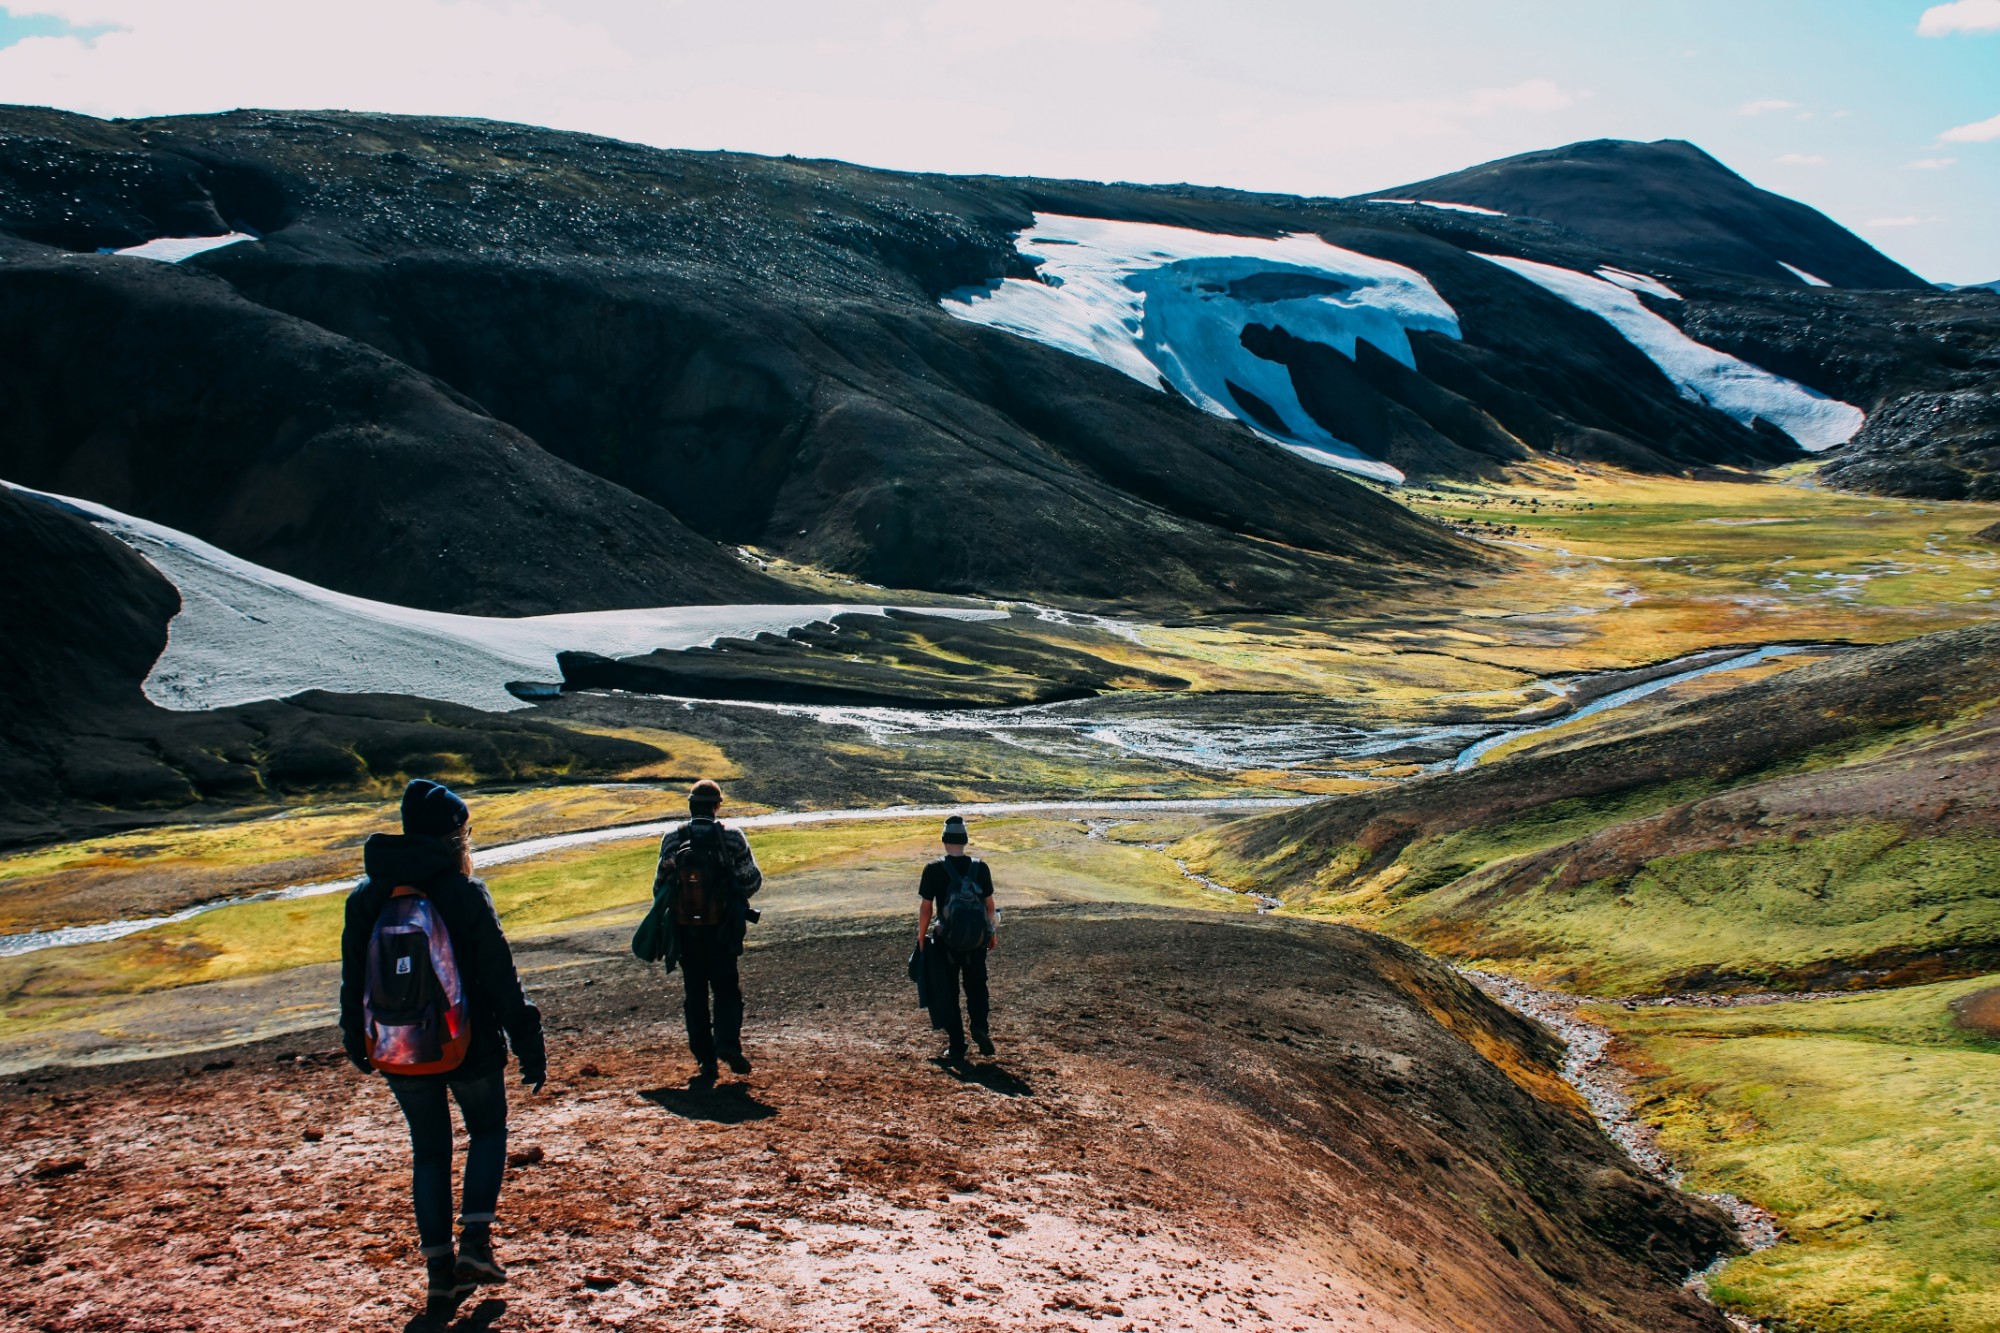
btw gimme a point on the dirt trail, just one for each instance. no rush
(1194, 1124)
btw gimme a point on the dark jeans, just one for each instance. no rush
(708, 965)
(482, 1103)
(947, 970)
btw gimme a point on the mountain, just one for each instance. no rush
(465, 367)
(1671, 201)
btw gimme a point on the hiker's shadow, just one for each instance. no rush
(478, 1319)
(718, 1104)
(993, 1077)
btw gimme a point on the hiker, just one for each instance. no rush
(701, 911)
(427, 988)
(957, 926)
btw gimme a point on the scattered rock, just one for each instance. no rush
(528, 1156)
(589, 1071)
(1989, 535)
(312, 1135)
(53, 1167)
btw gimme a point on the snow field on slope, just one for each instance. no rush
(245, 633)
(1638, 282)
(173, 249)
(1447, 207)
(1809, 279)
(1735, 388)
(1170, 303)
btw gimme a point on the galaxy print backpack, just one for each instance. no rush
(414, 1000)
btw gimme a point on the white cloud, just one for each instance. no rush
(449, 56)
(981, 25)
(1763, 105)
(1960, 16)
(1980, 131)
(1931, 163)
(1801, 160)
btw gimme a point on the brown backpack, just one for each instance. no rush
(703, 877)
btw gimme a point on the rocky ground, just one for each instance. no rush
(1194, 1122)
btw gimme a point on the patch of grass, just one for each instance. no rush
(158, 870)
(1766, 913)
(1870, 1125)
(812, 871)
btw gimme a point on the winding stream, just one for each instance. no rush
(1588, 1068)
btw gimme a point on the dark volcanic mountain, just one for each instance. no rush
(1671, 201)
(478, 367)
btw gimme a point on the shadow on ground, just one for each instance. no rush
(726, 1104)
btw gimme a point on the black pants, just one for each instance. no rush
(482, 1102)
(947, 970)
(708, 964)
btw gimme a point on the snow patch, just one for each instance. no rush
(173, 249)
(1809, 279)
(1733, 387)
(1170, 305)
(245, 633)
(1638, 282)
(1439, 203)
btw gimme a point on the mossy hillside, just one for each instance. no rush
(1842, 904)
(1869, 1124)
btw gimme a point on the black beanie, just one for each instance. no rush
(433, 809)
(954, 831)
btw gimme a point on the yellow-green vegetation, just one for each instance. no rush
(1870, 1125)
(814, 872)
(159, 870)
(1642, 568)
(1770, 912)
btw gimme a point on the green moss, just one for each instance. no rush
(1870, 1125)
(1768, 914)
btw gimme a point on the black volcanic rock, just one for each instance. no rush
(1670, 200)
(81, 747)
(1933, 446)
(161, 391)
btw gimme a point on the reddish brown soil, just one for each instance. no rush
(1195, 1123)
(1979, 1012)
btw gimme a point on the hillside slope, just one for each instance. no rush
(1830, 826)
(1261, 1124)
(1670, 200)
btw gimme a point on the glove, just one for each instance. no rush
(357, 1055)
(534, 1075)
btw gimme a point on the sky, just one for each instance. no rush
(1884, 114)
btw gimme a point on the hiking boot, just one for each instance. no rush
(954, 1054)
(707, 1072)
(736, 1062)
(476, 1264)
(984, 1042)
(445, 1291)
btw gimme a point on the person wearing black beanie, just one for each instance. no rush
(957, 926)
(431, 860)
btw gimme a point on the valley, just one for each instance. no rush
(1333, 616)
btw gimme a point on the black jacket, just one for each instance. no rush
(494, 999)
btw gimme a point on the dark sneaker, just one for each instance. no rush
(983, 1042)
(954, 1054)
(736, 1062)
(476, 1264)
(706, 1073)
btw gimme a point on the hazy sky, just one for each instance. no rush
(1885, 114)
